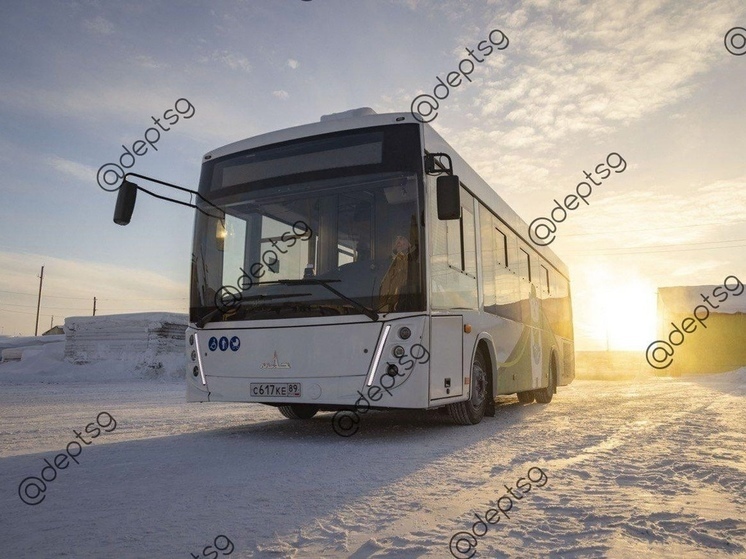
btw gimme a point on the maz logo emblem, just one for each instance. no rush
(275, 364)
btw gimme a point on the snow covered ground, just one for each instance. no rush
(645, 468)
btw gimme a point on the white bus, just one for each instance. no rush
(360, 256)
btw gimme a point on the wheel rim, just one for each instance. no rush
(479, 379)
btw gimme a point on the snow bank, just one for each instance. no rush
(106, 348)
(12, 348)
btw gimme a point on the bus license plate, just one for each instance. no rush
(284, 389)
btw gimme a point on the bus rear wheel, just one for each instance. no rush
(472, 410)
(544, 395)
(298, 411)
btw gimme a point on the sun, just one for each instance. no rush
(619, 313)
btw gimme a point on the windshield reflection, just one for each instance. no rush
(355, 242)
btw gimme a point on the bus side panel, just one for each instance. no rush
(567, 362)
(446, 357)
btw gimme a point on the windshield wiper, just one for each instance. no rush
(370, 313)
(209, 316)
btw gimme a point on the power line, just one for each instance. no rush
(45, 296)
(17, 312)
(45, 306)
(86, 312)
(648, 251)
(672, 245)
(655, 229)
(89, 298)
(51, 306)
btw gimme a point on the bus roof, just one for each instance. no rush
(434, 142)
(329, 124)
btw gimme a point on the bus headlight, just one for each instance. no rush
(392, 370)
(191, 339)
(398, 352)
(195, 371)
(194, 355)
(404, 333)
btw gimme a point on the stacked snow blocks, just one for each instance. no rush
(147, 339)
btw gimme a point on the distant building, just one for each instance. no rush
(54, 330)
(711, 335)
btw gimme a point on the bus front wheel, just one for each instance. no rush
(472, 410)
(298, 411)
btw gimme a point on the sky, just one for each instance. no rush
(651, 81)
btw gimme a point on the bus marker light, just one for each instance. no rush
(199, 360)
(467, 328)
(377, 358)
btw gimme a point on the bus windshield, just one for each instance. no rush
(278, 250)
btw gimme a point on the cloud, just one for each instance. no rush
(411, 4)
(232, 60)
(647, 223)
(572, 74)
(147, 61)
(99, 26)
(579, 68)
(281, 94)
(293, 63)
(72, 169)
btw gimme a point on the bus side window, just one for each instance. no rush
(545, 287)
(490, 257)
(512, 250)
(507, 289)
(524, 265)
(453, 281)
(453, 244)
(469, 239)
(501, 247)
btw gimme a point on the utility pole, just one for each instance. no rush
(38, 302)
(94, 306)
(51, 323)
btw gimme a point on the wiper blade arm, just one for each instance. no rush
(370, 313)
(209, 316)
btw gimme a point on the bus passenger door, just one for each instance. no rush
(446, 357)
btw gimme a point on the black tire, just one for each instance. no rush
(526, 397)
(544, 395)
(298, 411)
(472, 410)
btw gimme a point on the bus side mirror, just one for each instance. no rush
(448, 194)
(125, 203)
